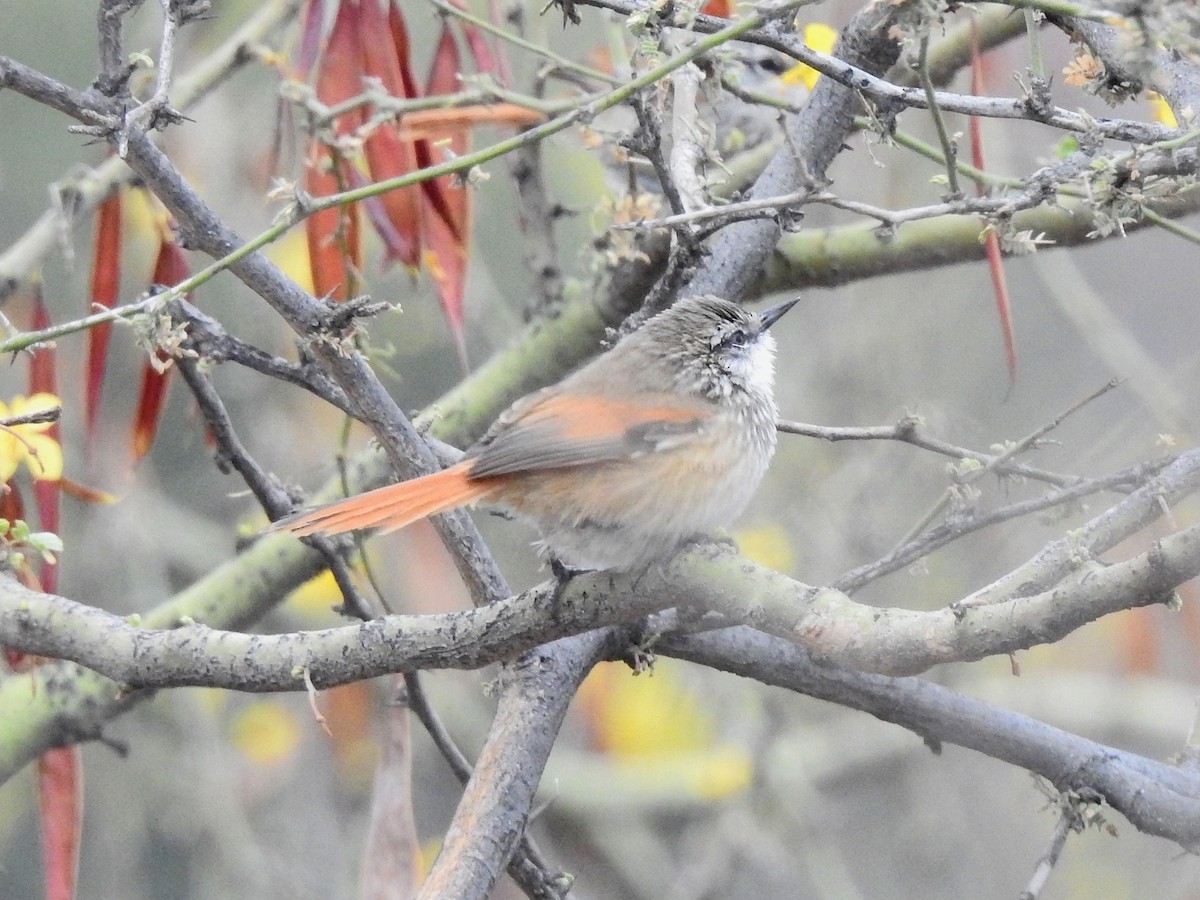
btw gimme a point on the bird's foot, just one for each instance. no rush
(639, 654)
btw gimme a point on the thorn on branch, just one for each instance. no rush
(117, 8)
(343, 316)
(791, 219)
(153, 115)
(116, 83)
(187, 11)
(569, 12)
(1037, 100)
(209, 340)
(117, 746)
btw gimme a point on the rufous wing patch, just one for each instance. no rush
(565, 430)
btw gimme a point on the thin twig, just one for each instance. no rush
(31, 340)
(769, 207)
(686, 158)
(266, 490)
(1175, 228)
(1070, 820)
(1031, 439)
(908, 430)
(648, 142)
(213, 343)
(143, 116)
(951, 530)
(949, 148)
(559, 60)
(880, 90)
(1010, 451)
(418, 702)
(1033, 25)
(36, 417)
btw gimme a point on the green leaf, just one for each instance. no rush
(1066, 147)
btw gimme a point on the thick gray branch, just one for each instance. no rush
(1072, 589)
(197, 655)
(491, 817)
(814, 137)
(1158, 799)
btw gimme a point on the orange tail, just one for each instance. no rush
(391, 507)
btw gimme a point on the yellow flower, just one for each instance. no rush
(639, 717)
(767, 545)
(819, 37)
(1161, 110)
(267, 732)
(316, 598)
(661, 734)
(290, 253)
(28, 443)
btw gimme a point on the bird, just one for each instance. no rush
(658, 441)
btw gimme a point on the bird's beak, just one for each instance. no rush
(772, 314)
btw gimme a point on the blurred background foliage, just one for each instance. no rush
(677, 783)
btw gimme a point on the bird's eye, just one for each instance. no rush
(739, 337)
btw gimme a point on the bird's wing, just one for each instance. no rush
(551, 430)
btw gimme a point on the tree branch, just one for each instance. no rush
(1071, 590)
(492, 816)
(231, 452)
(78, 195)
(814, 137)
(1158, 799)
(860, 72)
(528, 865)
(834, 256)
